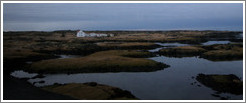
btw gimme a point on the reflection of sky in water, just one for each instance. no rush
(215, 42)
(68, 56)
(22, 74)
(171, 83)
(167, 45)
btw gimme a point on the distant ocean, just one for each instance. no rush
(222, 28)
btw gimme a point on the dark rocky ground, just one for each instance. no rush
(17, 89)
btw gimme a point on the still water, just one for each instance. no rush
(174, 83)
(170, 45)
(215, 42)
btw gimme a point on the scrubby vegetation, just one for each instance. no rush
(16, 59)
(105, 61)
(184, 51)
(217, 52)
(181, 36)
(222, 83)
(90, 91)
(223, 52)
(128, 45)
(26, 55)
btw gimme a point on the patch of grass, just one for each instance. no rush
(23, 54)
(15, 59)
(222, 83)
(124, 53)
(105, 61)
(90, 91)
(217, 52)
(219, 55)
(223, 52)
(128, 45)
(222, 46)
(68, 48)
(184, 51)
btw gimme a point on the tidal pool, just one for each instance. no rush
(167, 45)
(215, 42)
(170, 45)
(22, 74)
(68, 56)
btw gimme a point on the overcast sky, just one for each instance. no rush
(49, 17)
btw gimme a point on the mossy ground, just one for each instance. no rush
(105, 61)
(217, 52)
(128, 45)
(184, 51)
(90, 91)
(223, 52)
(222, 83)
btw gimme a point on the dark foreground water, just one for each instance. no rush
(173, 83)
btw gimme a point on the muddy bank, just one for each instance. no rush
(222, 83)
(90, 91)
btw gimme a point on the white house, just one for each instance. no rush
(80, 33)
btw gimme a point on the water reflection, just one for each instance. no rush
(171, 83)
(22, 74)
(167, 45)
(68, 56)
(215, 42)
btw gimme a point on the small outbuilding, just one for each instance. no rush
(80, 33)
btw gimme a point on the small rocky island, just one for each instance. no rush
(222, 83)
(90, 91)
